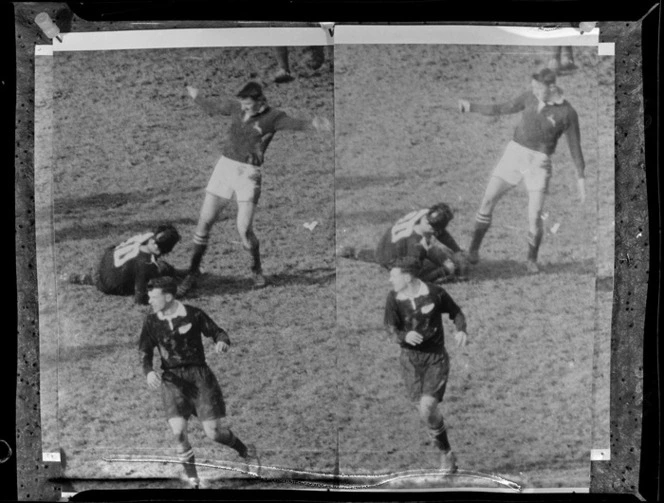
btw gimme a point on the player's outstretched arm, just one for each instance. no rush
(212, 107)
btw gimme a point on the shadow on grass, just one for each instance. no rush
(505, 269)
(97, 229)
(214, 285)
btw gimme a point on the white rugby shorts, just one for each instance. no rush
(232, 177)
(521, 163)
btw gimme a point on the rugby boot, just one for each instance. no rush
(259, 280)
(532, 267)
(188, 284)
(283, 76)
(448, 462)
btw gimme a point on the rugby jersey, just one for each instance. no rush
(423, 314)
(541, 124)
(247, 141)
(178, 338)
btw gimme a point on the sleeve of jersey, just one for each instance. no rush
(447, 239)
(210, 329)
(217, 107)
(573, 133)
(284, 122)
(510, 107)
(146, 348)
(393, 321)
(453, 310)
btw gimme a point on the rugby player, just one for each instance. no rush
(238, 171)
(421, 234)
(188, 386)
(413, 317)
(546, 116)
(125, 269)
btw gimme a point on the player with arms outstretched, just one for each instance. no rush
(238, 171)
(188, 386)
(413, 318)
(545, 117)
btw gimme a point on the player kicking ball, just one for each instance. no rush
(413, 317)
(238, 171)
(188, 386)
(546, 116)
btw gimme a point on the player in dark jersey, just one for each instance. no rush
(253, 125)
(413, 317)
(545, 117)
(188, 386)
(421, 234)
(125, 269)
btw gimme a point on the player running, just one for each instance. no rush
(413, 316)
(546, 116)
(188, 386)
(126, 268)
(238, 171)
(421, 234)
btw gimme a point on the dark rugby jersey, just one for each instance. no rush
(401, 240)
(540, 128)
(247, 141)
(125, 269)
(179, 339)
(423, 314)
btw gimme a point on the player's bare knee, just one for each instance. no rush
(428, 407)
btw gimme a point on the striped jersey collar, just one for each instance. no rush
(422, 290)
(180, 311)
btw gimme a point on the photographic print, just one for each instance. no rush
(468, 182)
(189, 244)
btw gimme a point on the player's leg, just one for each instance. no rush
(185, 451)
(535, 227)
(554, 61)
(495, 189)
(222, 435)
(567, 58)
(245, 227)
(432, 416)
(283, 74)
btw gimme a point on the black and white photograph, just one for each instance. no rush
(185, 201)
(474, 184)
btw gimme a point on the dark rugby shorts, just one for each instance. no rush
(424, 373)
(192, 390)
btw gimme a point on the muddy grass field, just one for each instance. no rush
(312, 379)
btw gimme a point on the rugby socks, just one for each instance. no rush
(534, 241)
(188, 460)
(439, 436)
(228, 438)
(255, 253)
(482, 224)
(200, 247)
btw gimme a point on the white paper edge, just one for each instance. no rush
(43, 50)
(606, 49)
(600, 454)
(194, 37)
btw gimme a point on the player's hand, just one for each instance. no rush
(321, 124)
(221, 347)
(464, 106)
(413, 338)
(193, 92)
(154, 380)
(581, 186)
(460, 338)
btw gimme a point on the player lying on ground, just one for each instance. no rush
(413, 317)
(546, 116)
(421, 234)
(238, 171)
(188, 386)
(125, 269)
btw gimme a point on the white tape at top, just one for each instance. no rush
(193, 37)
(606, 49)
(43, 50)
(466, 35)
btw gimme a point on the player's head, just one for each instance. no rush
(439, 216)
(543, 83)
(165, 238)
(251, 97)
(402, 272)
(161, 292)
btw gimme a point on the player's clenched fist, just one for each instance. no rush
(460, 338)
(464, 106)
(413, 338)
(154, 380)
(193, 92)
(221, 347)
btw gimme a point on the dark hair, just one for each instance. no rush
(252, 90)
(409, 265)
(166, 236)
(545, 76)
(166, 284)
(439, 216)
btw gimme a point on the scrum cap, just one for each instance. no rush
(439, 216)
(166, 236)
